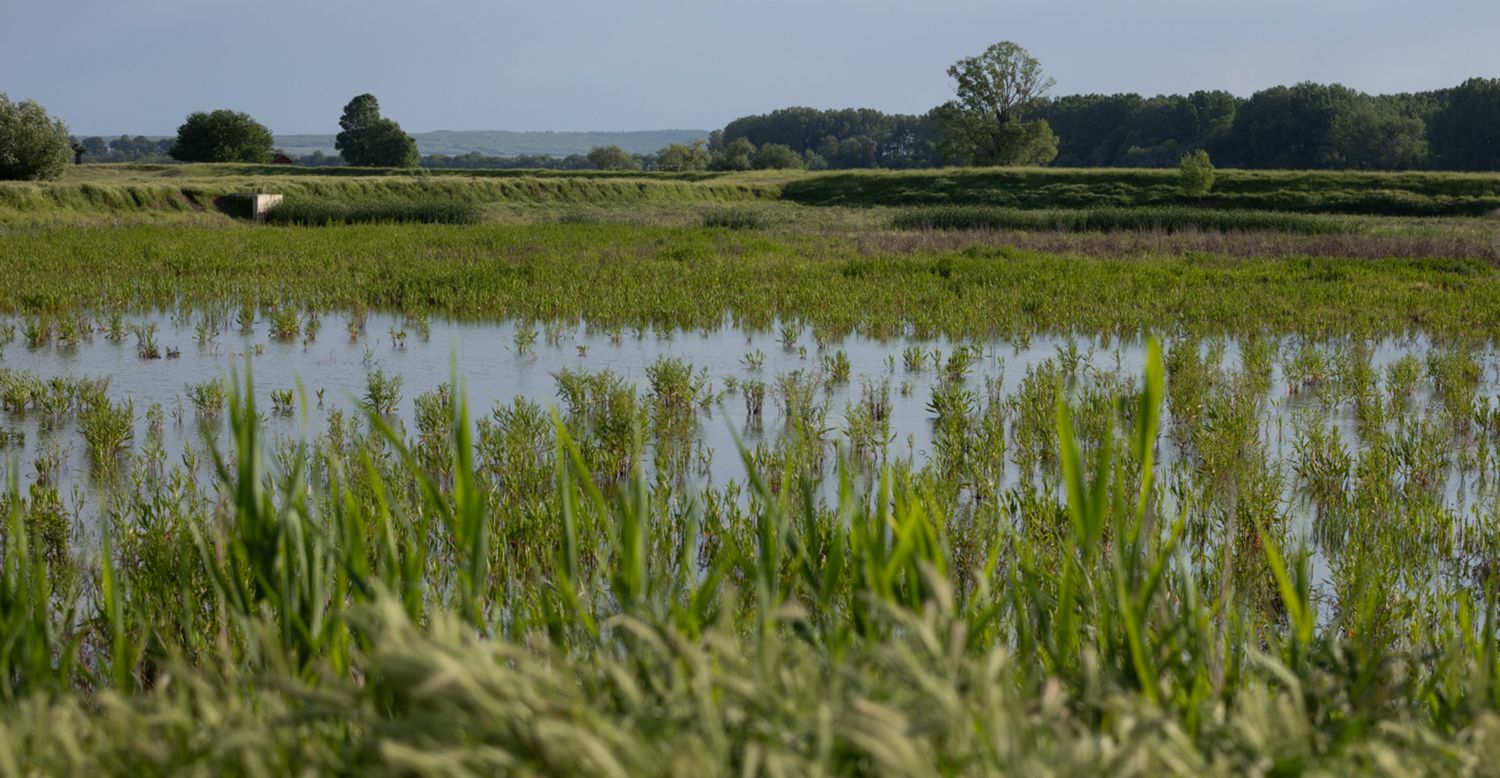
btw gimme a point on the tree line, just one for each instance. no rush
(1001, 114)
(1306, 126)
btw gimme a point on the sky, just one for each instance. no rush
(139, 67)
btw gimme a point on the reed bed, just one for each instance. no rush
(1433, 242)
(517, 595)
(691, 278)
(1387, 194)
(314, 212)
(89, 200)
(1155, 219)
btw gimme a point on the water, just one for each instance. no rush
(492, 368)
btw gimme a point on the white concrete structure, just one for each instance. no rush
(260, 203)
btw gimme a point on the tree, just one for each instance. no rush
(1466, 131)
(986, 124)
(1196, 173)
(386, 145)
(1290, 127)
(843, 138)
(1374, 135)
(33, 145)
(370, 140)
(96, 146)
(611, 158)
(680, 157)
(737, 154)
(776, 156)
(970, 139)
(222, 136)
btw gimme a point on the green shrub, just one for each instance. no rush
(33, 145)
(1195, 173)
(734, 219)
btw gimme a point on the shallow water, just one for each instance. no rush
(492, 368)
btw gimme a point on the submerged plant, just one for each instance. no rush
(525, 336)
(208, 397)
(107, 428)
(145, 342)
(282, 401)
(382, 392)
(286, 324)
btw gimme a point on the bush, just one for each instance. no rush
(612, 158)
(310, 211)
(1196, 173)
(33, 145)
(734, 219)
(777, 156)
(681, 157)
(222, 136)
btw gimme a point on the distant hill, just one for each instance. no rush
(503, 143)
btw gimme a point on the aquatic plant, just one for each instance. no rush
(107, 428)
(382, 392)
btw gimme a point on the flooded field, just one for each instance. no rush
(1318, 424)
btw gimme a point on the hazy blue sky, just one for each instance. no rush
(140, 66)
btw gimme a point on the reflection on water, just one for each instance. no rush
(497, 362)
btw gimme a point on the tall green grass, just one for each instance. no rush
(1164, 219)
(734, 219)
(94, 190)
(186, 192)
(347, 610)
(1391, 194)
(690, 278)
(315, 212)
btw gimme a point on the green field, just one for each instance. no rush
(1239, 516)
(693, 277)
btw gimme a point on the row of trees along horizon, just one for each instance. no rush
(1001, 115)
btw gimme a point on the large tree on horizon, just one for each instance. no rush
(986, 123)
(222, 136)
(369, 140)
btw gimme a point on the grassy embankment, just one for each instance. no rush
(101, 192)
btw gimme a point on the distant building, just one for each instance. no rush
(282, 159)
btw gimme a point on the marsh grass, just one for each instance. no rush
(636, 280)
(315, 212)
(106, 195)
(1166, 220)
(1409, 194)
(107, 428)
(382, 392)
(208, 397)
(516, 612)
(734, 219)
(285, 323)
